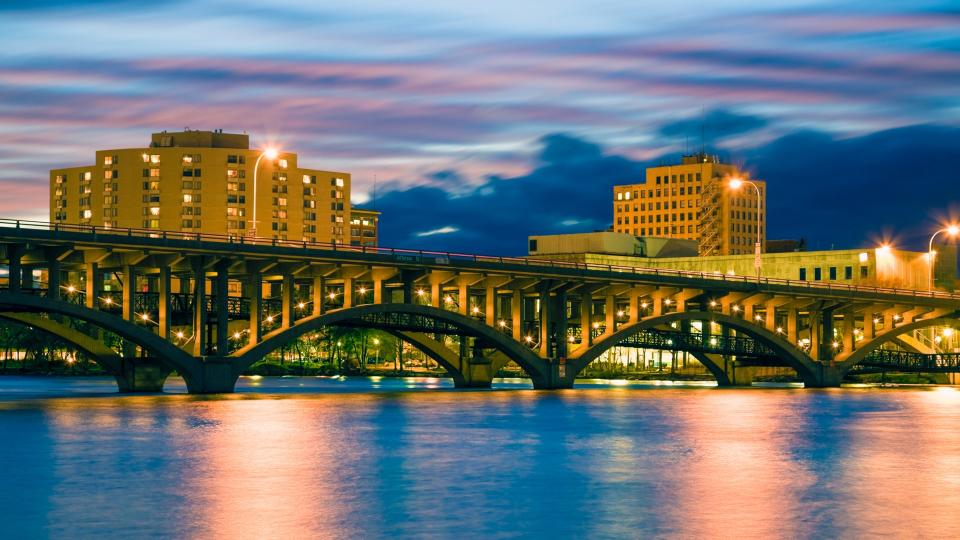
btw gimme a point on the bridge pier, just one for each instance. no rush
(212, 375)
(141, 375)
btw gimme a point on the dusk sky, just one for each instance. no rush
(488, 121)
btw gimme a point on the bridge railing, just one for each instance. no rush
(419, 256)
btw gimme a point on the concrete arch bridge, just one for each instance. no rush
(177, 300)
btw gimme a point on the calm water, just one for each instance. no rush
(324, 458)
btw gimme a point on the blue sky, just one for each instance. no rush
(485, 122)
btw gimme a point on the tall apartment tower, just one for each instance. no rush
(693, 200)
(203, 182)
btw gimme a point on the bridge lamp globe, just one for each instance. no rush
(421, 292)
(71, 289)
(937, 339)
(735, 182)
(475, 310)
(501, 323)
(362, 290)
(301, 305)
(643, 305)
(947, 332)
(179, 335)
(779, 329)
(145, 317)
(570, 339)
(376, 341)
(596, 325)
(758, 318)
(269, 318)
(236, 335)
(528, 339)
(835, 345)
(620, 313)
(271, 153)
(332, 295)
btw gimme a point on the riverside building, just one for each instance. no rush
(204, 182)
(694, 200)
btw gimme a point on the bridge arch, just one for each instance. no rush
(532, 364)
(808, 369)
(846, 362)
(95, 349)
(15, 305)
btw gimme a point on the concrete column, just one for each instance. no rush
(407, 291)
(545, 321)
(255, 294)
(792, 325)
(490, 310)
(464, 304)
(347, 293)
(826, 335)
(770, 318)
(379, 288)
(815, 333)
(129, 277)
(610, 314)
(657, 303)
(849, 323)
(94, 285)
(316, 292)
(15, 269)
(223, 317)
(586, 319)
(287, 301)
(435, 295)
(53, 278)
(560, 316)
(199, 310)
(516, 314)
(128, 299)
(163, 302)
(634, 307)
(869, 328)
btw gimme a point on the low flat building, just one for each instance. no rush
(880, 267)
(609, 243)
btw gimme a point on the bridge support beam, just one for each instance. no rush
(141, 375)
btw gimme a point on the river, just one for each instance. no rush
(373, 458)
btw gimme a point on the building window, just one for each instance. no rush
(338, 182)
(817, 274)
(848, 272)
(109, 160)
(864, 271)
(803, 274)
(833, 273)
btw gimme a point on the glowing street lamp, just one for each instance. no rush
(952, 231)
(736, 183)
(271, 154)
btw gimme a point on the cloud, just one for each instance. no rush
(714, 125)
(834, 192)
(442, 230)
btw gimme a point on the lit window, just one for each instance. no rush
(87, 214)
(154, 158)
(154, 210)
(88, 175)
(339, 182)
(187, 198)
(307, 179)
(626, 195)
(108, 160)
(282, 163)
(187, 159)
(145, 158)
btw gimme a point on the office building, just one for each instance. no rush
(204, 182)
(694, 200)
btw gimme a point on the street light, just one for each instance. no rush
(952, 231)
(271, 154)
(736, 183)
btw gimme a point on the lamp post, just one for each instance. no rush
(952, 231)
(271, 154)
(736, 183)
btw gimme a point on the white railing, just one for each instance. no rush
(443, 257)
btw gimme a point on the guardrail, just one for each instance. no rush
(441, 257)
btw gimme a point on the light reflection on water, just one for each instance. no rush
(362, 458)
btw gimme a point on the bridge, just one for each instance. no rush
(176, 299)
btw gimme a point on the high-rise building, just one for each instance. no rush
(364, 227)
(204, 182)
(694, 200)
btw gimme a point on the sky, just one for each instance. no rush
(481, 123)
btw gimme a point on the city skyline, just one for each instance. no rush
(494, 119)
